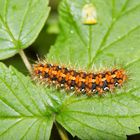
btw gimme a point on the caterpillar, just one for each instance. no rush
(79, 81)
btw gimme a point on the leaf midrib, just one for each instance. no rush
(99, 115)
(8, 31)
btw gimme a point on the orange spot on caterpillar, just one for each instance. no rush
(80, 82)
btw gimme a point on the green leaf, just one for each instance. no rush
(114, 40)
(20, 24)
(26, 111)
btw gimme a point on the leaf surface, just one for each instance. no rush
(114, 40)
(20, 24)
(25, 110)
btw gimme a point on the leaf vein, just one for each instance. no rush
(29, 128)
(16, 96)
(28, 94)
(24, 17)
(100, 115)
(6, 131)
(84, 124)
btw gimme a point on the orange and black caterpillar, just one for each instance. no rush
(80, 82)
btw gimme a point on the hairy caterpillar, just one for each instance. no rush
(80, 82)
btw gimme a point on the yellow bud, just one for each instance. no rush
(89, 15)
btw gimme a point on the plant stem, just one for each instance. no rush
(89, 45)
(61, 132)
(25, 60)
